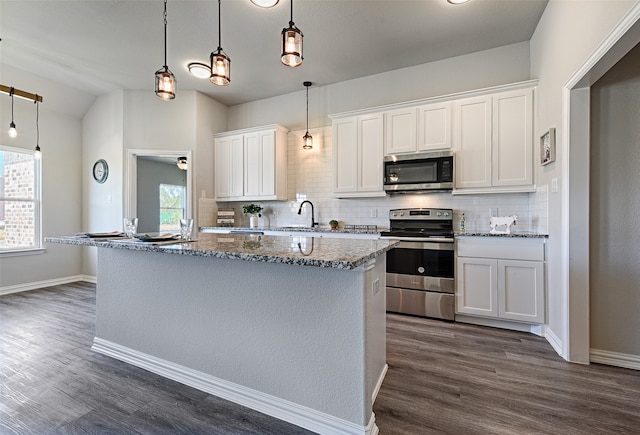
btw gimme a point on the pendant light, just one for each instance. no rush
(307, 138)
(37, 154)
(12, 127)
(220, 62)
(292, 44)
(165, 80)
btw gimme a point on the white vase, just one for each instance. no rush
(253, 222)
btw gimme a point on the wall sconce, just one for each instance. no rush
(165, 80)
(307, 138)
(182, 163)
(292, 44)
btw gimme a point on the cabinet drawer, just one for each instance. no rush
(501, 248)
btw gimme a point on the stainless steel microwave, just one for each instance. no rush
(420, 172)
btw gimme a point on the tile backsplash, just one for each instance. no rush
(310, 178)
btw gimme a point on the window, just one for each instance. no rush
(172, 206)
(20, 201)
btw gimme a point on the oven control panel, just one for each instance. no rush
(421, 213)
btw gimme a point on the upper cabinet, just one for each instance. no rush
(251, 164)
(418, 129)
(493, 142)
(358, 143)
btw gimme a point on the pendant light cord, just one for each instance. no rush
(291, 20)
(219, 30)
(37, 124)
(11, 92)
(165, 35)
(307, 109)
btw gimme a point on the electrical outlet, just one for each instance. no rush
(554, 185)
(108, 199)
(375, 288)
(374, 212)
(493, 211)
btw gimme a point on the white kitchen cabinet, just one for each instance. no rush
(501, 278)
(401, 131)
(358, 143)
(493, 142)
(434, 126)
(251, 164)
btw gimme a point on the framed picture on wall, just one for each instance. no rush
(548, 147)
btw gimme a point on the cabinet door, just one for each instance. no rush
(521, 290)
(477, 286)
(259, 164)
(222, 165)
(345, 155)
(513, 138)
(434, 126)
(401, 131)
(472, 142)
(370, 150)
(252, 165)
(236, 167)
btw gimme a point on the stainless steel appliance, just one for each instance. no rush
(418, 172)
(420, 269)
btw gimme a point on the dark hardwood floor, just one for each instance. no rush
(444, 378)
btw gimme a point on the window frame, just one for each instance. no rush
(38, 246)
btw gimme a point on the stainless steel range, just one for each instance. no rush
(420, 269)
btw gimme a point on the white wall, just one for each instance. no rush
(568, 32)
(60, 141)
(487, 68)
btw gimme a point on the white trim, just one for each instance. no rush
(622, 38)
(40, 284)
(282, 409)
(376, 390)
(615, 359)
(131, 176)
(553, 340)
(21, 252)
(536, 329)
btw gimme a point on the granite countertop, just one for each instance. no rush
(522, 235)
(347, 229)
(303, 251)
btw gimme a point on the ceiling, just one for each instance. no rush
(99, 46)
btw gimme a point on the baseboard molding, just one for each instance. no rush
(376, 390)
(555, 342)
(617, 359)
(504, 324)
(42, 284)
(282, 409)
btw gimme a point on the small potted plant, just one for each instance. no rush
(334, 224)
(253, 211)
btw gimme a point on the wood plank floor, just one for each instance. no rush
(444, 378)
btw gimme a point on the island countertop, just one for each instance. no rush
(301, 251)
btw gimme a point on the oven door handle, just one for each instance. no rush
(420, 239)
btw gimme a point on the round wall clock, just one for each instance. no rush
(100, 171)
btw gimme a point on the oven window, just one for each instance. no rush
(411, 172)
(434, 263)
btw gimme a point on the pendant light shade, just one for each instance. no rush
(220, 62)
(12, 126)
(307, 138)
(165, 80)
(292, 44)
(37, 154)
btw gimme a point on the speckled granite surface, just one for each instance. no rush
(352, 229)
(512, 235)
(302, 251)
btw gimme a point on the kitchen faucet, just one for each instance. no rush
(313, 221)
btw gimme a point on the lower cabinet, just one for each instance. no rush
(502, 278)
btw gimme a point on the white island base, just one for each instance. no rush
(300, 343)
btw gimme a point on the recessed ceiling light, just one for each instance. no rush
(200, 70)
(265, 3)
(454, 2)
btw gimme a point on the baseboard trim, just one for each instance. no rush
(504, 324)
(617, 359)
(376, 390)
(282, 409)
(41, 284)
(554, 341)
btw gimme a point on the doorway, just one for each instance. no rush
(157, 191)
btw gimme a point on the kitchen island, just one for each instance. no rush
(291, 327)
